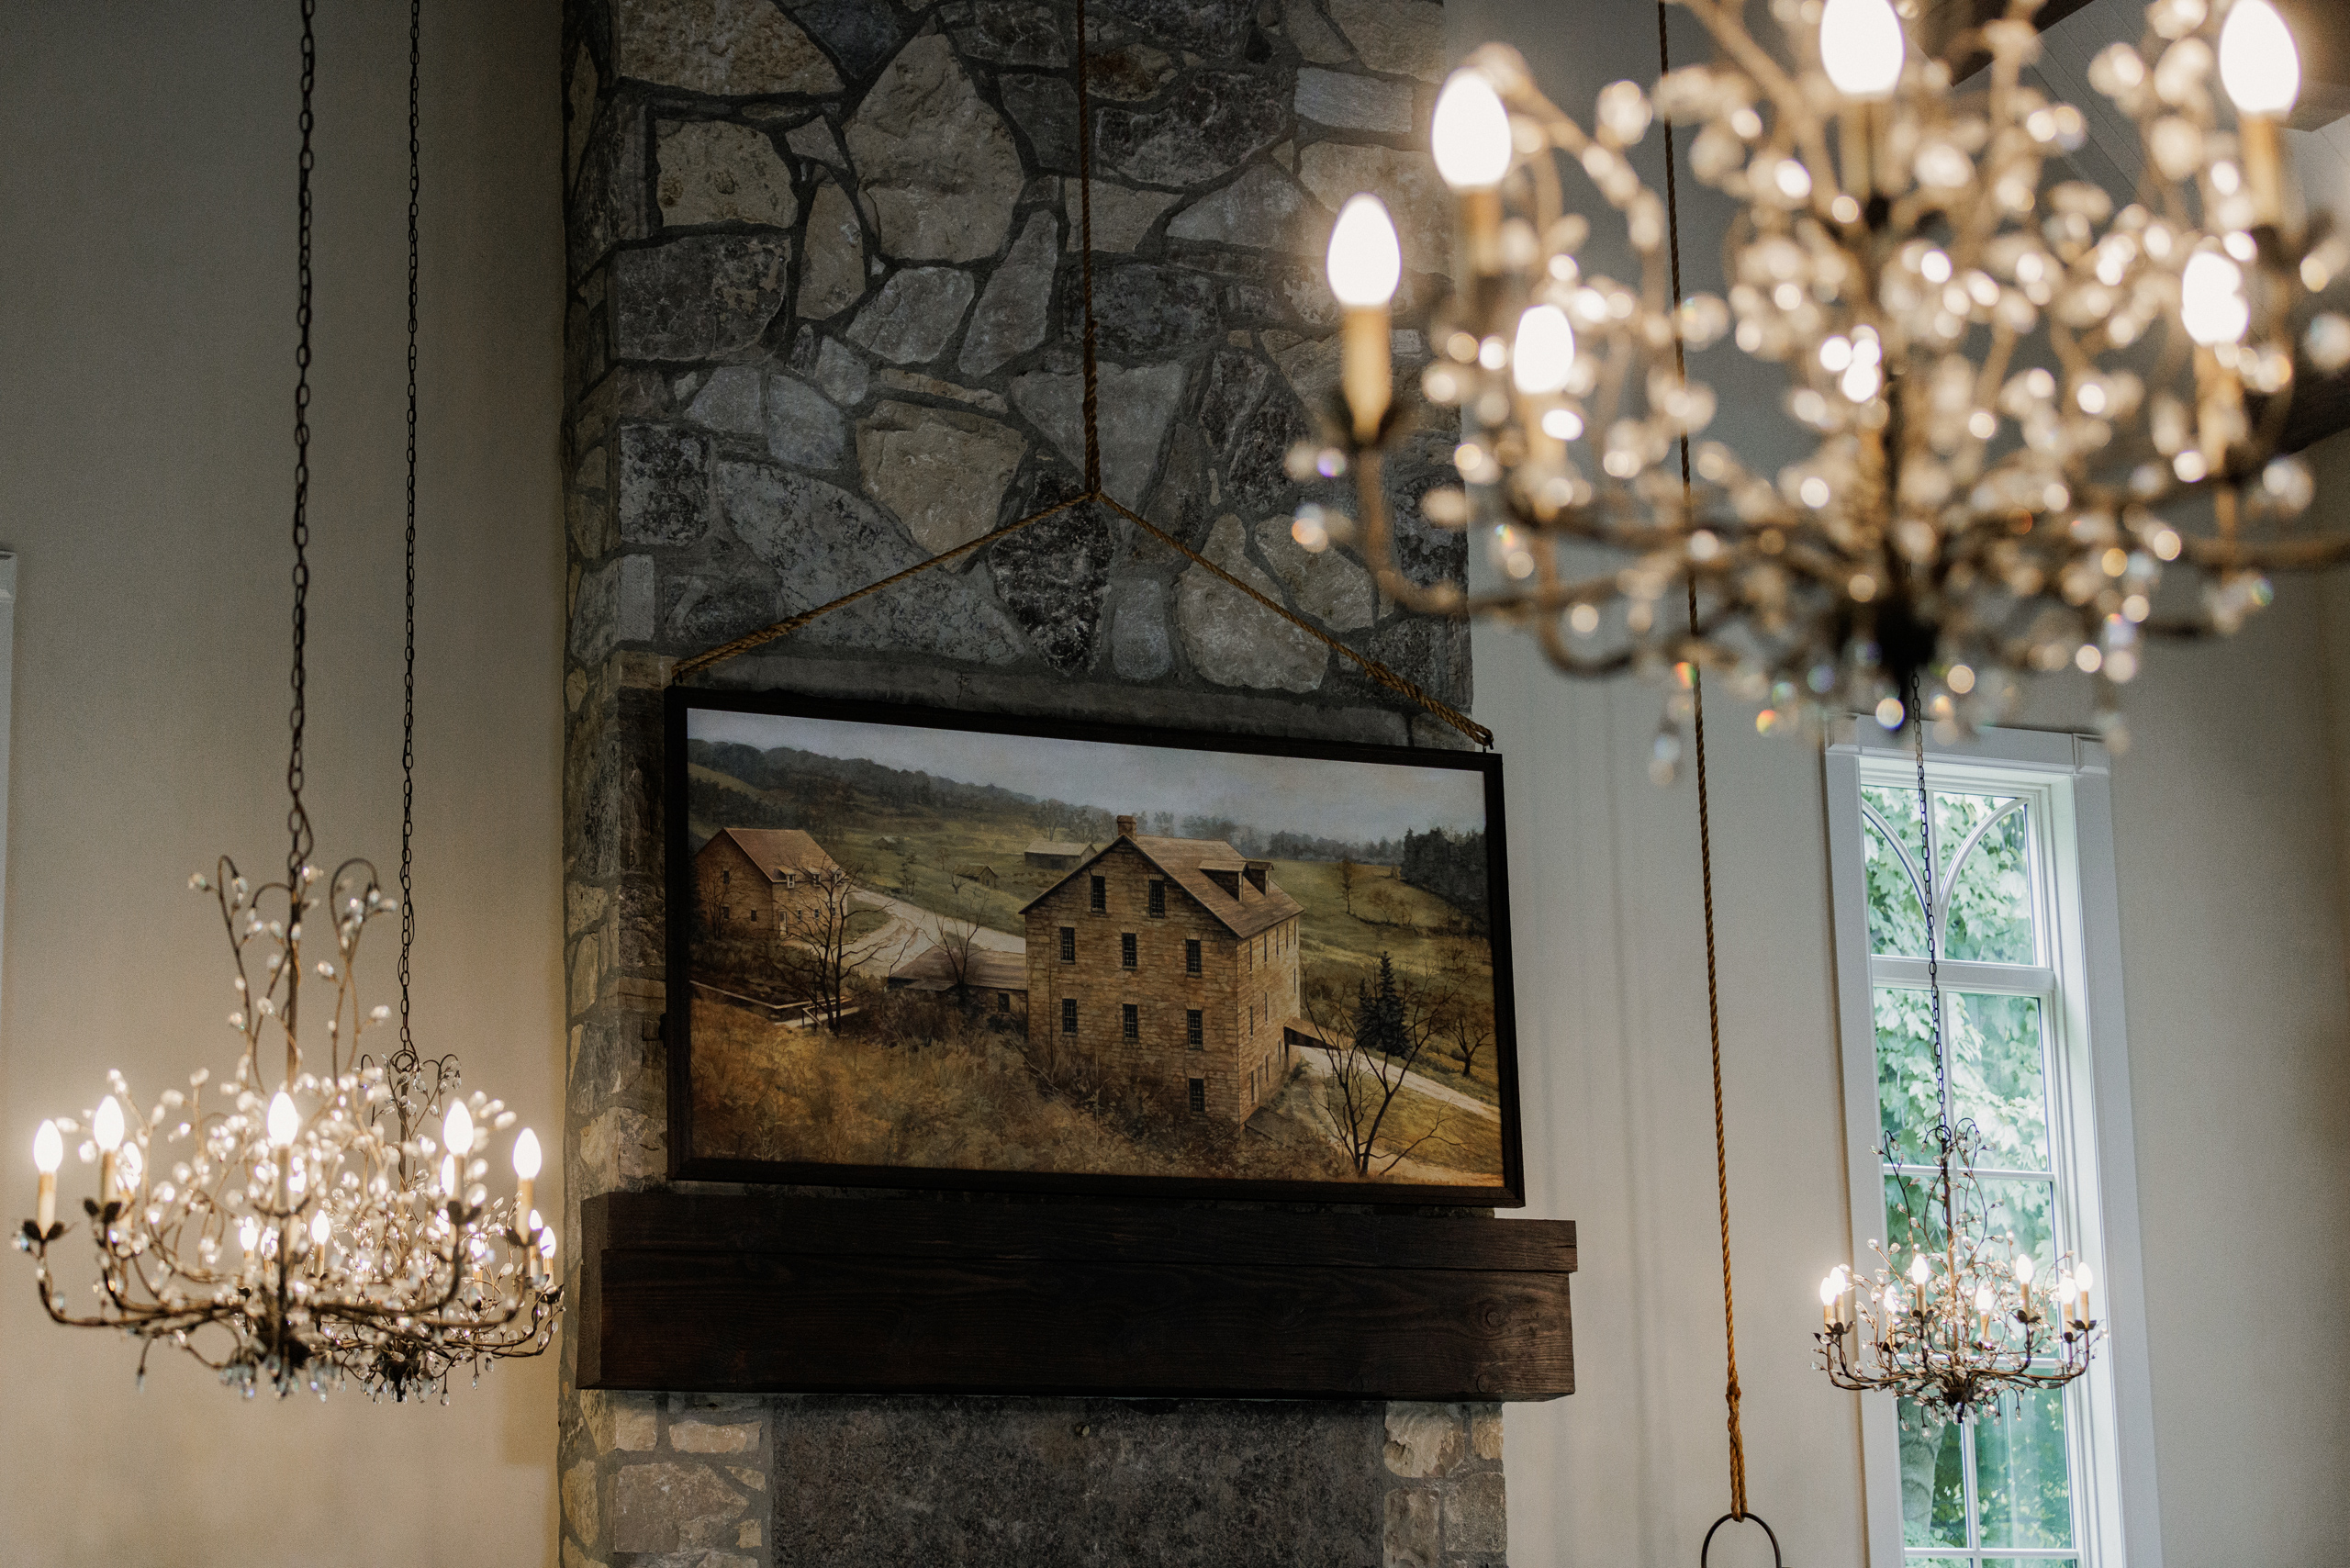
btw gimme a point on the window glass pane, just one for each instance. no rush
(1989, 897)
(1933, 1493)
(2017, 1206)
(1996, 1080)
(2022, 1495)
(1897, 920)
(1907, 1111)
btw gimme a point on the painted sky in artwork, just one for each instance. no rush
(1346, 801)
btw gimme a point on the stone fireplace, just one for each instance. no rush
(823, 323)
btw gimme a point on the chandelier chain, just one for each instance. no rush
(297, 817)
(1085, 263)
(1731, 1393)
(408, 678)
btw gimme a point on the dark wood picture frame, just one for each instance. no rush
(687, 1164)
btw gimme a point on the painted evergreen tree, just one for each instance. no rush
(1379, 1013)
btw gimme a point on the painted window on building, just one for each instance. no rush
(1069, 1015)
(1126, 950)
(1068, 944)
(1195, 1030)
(1133, 1021)
(1101, 894)
(1192, 956)
(1157, 898)
(1199, 1095)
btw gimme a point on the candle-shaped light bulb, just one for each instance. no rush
(1470, 132)
(449, 1175)
(1365, 264)
(321, 1227)
(49, 1152)
(2083, 1278)
(1861, 47)
(1893, 1301)
(1830, 1288)
(2211, 305)
(248, 1234)
(457, 1130)
(2023, 1271)
(1544, 355)
(285, 1121)
(526, 1172)
(106, 1128)
(1920, 1272)
(2259, 64)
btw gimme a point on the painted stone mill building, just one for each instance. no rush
(1174, 959)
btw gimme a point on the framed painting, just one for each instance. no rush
(911, 947)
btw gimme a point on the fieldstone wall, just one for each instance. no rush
(823, 323)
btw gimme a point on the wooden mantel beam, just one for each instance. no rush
(726, 1293)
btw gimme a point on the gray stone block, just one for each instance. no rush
(802, 426)
(716, 172)
(942, 474)
(832, 269)
(914, 316)
(1425, 1441)
(1044, 108)
(1051, 576)
(1354, 103)
(1404, 38)
(936, 162)
(1013, 32)
(1260, 209)
(1140, 647)
(1021, 1483)
(664, 485)
(1232, 639)
(1014, 311)
(1476, 1514)
(614, 606)
(1122, 214)
(1216, 30)
(1211, 122)
(697, 297)
(1414, 1533)
(860, 34)
(1136, 407)
(659, 1507)
(729, 402)
(739, 48)
(841, 375)
(1314, 37)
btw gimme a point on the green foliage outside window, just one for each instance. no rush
(1987, 908)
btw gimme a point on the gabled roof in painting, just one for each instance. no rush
(934, 970)
(1055, 846)
(1187, 862)
(779, 851)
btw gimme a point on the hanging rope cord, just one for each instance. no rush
(407, 677)
(297, 816)
(1731, 1391)
(1378, 673)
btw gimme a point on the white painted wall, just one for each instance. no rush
(146, 346)
(2229, 812)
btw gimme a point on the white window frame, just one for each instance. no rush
(2109, 1413)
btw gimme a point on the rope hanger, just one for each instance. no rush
(1378, 673)
(1738, 1512)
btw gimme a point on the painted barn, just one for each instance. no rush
(747, 876)
(1173, 959)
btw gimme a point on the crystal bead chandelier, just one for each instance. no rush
(1973, 1317)
(338, 1227)
(2025, 405)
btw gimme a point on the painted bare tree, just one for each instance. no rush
(1369, 1063)
(825, 943)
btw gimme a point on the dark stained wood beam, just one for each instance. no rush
(723, 1294)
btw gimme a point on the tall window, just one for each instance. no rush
(1068, 944)
(1131, 1020)
(1196, 1033)
(1157, 898)
(2036, 1480)
(1126, 950)
(1101, 894)
(1190, 954)
(1069, 1015)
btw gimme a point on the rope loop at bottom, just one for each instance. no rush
(1741, 1518)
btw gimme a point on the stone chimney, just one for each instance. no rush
(1126, 827)
(1256, 871)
